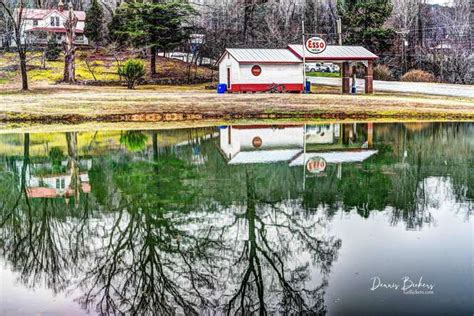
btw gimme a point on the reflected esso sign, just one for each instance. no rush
(316, 165)
(316, 45)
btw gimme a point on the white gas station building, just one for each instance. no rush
(282, 70)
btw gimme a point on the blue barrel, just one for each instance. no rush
(307, 87)
(221, 88)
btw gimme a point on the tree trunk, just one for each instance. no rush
(24, 74)
(73, 164)
(69, 67)
(70, 24)
(153, 61)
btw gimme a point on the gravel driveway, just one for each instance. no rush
(453, 90)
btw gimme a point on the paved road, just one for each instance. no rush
(454, 90)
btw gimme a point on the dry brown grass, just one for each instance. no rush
(77, 104)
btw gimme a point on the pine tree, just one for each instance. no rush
(161, 25)
(52, 50)
(94, 29)
(363, 21)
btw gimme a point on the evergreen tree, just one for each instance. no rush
(93, 29)
(118, 25)
(52, 50)
(160, 25)
(362, 23)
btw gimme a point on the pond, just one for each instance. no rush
(314, 219)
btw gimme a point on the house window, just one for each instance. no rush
(35, 22)
(63, 183)
(52, 21)
(58, 184)
(57, 21)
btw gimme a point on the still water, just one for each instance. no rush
(337, 219)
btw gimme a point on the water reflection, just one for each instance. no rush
(220, 220)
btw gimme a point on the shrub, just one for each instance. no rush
(52, 50)
(416, 75)
(382, 72)
(132, 71)
(133, 140)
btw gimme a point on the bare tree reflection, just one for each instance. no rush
(269, 283)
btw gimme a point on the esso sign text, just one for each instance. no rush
(316, 165)
(316, 45)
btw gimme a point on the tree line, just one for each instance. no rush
(406, 34)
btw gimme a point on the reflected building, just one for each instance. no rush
(45, 180)
(297, 144)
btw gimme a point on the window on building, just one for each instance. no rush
(58, 184)
(35, 22)
(52, 21)
(63, 183)
(57, 21)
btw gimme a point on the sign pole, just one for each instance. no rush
(304, 58)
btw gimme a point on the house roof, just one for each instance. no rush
(43, 192)
(53, 29)
(262, 55)
(264, 156)
(335, 157)
(39, 14)
(334, 52)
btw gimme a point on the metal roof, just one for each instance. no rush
(38, 14)
(335, 157)
(333, 52)
(264, 156)
(260, 55)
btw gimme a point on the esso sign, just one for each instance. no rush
(256, 70)
(316, 165)
(316, 45)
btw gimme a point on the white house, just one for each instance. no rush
(39, 25)
(252, 70)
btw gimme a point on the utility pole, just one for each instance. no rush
(404, 43)
(303, 47)
(339, 30)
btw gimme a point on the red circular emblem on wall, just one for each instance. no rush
(257, 142)
(256, 70)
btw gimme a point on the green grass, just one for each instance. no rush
(322, 74)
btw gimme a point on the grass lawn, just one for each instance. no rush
(89, 66)
(322, 74)
(77, 104)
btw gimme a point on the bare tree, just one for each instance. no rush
(69, 47)
(15, 16)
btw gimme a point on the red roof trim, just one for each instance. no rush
(340, 58)
(269, 62)
(265, 126)
(53, 29)
(331, 58)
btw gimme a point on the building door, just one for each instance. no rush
(228, 78)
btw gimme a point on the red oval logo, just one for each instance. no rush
(316, 165)
(256, 70)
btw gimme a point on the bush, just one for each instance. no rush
(416, 75)
(52, 50)
(132, 71)
(133, 140)
(382, 72)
